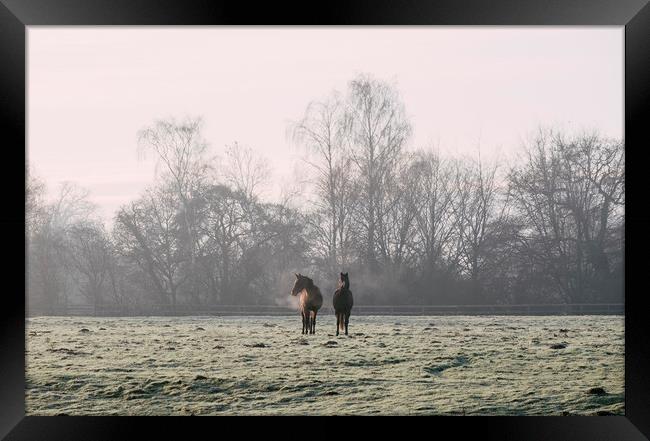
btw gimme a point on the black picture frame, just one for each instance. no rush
(16, 15)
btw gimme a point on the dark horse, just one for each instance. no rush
(310, 302)
(343, 303)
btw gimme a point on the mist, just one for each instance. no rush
(411, 226)
(487, 173)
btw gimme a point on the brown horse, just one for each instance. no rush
(310, 302)
(343, 303)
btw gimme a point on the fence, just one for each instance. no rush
(232, 310)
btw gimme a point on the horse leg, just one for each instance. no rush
(308, 315)
(302, 313)
(338, 321)
(313, 324)
(347, 320)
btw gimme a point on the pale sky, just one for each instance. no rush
(90, 89)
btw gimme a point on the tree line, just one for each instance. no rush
(410, 226)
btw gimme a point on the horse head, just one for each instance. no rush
(344, 280)
(301, 283)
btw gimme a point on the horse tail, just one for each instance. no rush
(341, 317)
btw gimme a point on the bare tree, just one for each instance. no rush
(34, 201)
(480, 212)
(48, 280)
(379, 129)
(536, 187)
(395, 231)
(241, 241)
(88, 258)
(244, 172)
(223, 230)
(148, 232)
(71, 206)
(323, 131)
(437, 223)
(180, 149)
(571, 192)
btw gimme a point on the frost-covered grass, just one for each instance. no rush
(388, 365)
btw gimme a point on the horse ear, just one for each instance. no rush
(341, 274)
(346, 274)
(297, 275)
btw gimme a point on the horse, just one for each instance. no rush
(310, 302)
(343, 303)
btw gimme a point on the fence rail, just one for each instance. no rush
(232, 310)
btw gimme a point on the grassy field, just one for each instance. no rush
(499, 365)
